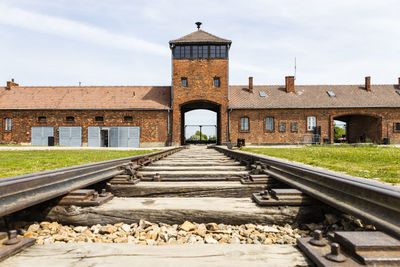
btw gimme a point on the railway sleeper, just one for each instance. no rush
(357, 248)
(11, 244)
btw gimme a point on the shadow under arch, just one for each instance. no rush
(200, 104)
(361, 127)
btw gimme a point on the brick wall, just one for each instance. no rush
(153, 124)
(384, 120)
(200, 74)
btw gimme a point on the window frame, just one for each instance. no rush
(68, 118)
(8, 124)
(218, 80)
(42, 119)
(128, 120)
(297, 127)
(184, 80)
(265, 124)
(282, 124)
(248, 125)
(395, 129)
(97, 117)
(308, 124)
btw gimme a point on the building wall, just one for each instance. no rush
(200, 74)
(257, 134)
(153, 124)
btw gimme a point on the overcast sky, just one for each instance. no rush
(121, 42)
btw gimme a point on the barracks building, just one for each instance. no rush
(148, 116)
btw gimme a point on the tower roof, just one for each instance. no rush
(200, 37)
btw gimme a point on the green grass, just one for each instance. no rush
(362, 161)
(13, 162)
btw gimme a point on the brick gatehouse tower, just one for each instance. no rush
(200, 65)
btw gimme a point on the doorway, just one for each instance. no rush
(104, 138)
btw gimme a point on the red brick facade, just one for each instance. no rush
(153, 124)
(374, 123)
(200, 76)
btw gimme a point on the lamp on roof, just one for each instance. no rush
(198, 25)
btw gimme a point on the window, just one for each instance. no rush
(223, 51)
(187, 51)
(262, 94)
(99, 118)
(184, 82)
(269, 123)
(70, 119)
(212, 51)
(311, 123)
(8, 124)
(42, 119)
(282, 127)
(205, 51)
(396, 126)
(331, 94)
(244, 124)
(195, 51)
(217, 82)
(294, 127)
(128, 118)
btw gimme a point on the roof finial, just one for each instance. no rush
(198, 25)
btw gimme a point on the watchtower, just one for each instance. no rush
(200, 68)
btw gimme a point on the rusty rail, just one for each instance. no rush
(20, 192)
(374, 202)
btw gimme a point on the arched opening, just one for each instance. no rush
(360, 128)
(200, 122)
(339, 130)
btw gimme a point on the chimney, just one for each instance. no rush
(399, 83)
(11, 84)
(250, 84)
(289, 84)
(368, 83)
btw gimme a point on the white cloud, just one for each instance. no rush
(75, 30)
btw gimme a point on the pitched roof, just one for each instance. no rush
(200, 37)
(85, 97)
(314, 96)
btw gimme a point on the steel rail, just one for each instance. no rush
(373, 202)
(20, 192)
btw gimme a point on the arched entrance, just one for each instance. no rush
(361, 128)
(200, 104)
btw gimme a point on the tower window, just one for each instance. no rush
(217, 82)
(184, 82)
(99, 118)
(212, 51)
(42, 119)
(187, 51)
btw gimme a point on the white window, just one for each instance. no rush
(8, 124)
(244, 124)
(269, 123)
(311, 123)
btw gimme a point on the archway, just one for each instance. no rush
(362, 128)
(201, 105)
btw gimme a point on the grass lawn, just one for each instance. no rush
(361, 161)
(24, 161)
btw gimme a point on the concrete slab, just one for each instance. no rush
(193, 168)
(104, 255)
(184, 189)
(199, 173)
(177, 210)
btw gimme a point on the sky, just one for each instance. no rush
(121, 42)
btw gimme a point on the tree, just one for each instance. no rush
(196, 136)
(339, 132)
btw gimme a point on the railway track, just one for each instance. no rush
(213, 185)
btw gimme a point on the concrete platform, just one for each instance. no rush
(90, 254)
(177, 210)
(184, 189)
